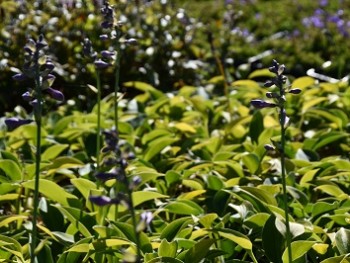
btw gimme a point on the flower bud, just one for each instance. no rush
(260, 104)
(13, 123)
(100, 64)
(269, 147)
(295, 91)
(102, 200)
(104, 37)
(55, 94)
(27, 96)
(105, 176)
(268, 83)
(19, 77)
(107, 54)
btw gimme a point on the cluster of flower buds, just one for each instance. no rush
(118, 159)
(277, 95)
(37, 66)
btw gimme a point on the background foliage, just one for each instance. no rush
(213, 190)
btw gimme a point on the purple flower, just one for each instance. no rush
(55, 94)
(27, 96)
(323, 3)
(260, 104)
(100, 64)
(295, 91)
(13, 123)
(20, 77)
(102, 200)
(106, 176)
(269, 147)
(107, 54)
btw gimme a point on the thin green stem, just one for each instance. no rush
(37, 114)
(134, 224)
(98, 132)
(284, 183)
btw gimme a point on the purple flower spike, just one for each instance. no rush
(100, 64)
(260, 104)
(102, 200)
(104, 37)
(20, 77)
(13, 123)
(106, 176)
(55, 94)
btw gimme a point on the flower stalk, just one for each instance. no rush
(279, 101)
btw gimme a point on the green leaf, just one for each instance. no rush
(339, 259)
(74, 219)
(145, 88)
(312, 102)
(84, 186)
(53, 151)
(332, 190)
(299, 249)
(167, 249)
(164, 260)
(252, 162)
(184, 127)
(261, 73)
(342, 240)
(11, 171)
(256, 126)
(328, 138)
(172, 229)
(303, 82)
(157, 146)
(198, 251)
(260, 194)
(140, 197)
(215, 183)
(184, 207)
(272, 241)
(11, 245)
(53, 191)
(237, 238)
(80, 248)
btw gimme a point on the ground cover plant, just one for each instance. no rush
(171, 143)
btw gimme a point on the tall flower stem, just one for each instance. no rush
(284, 183)
(37, 114)
(98, 131)
(134, 224)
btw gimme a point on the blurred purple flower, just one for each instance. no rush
(13, 123)
(102, 200)
(260, 104)
(55, 94)
(323, 3)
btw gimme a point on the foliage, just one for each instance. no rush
(186, 174)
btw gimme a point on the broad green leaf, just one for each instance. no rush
(272, 241)
(191, 195)
(84, 186)
(256, 126)
(164, 260)
(328, 139)
(184, 127)
(172, 229)
(53, 151)
(332, 190)
(144, 196)
(184, 207)
(145, 88)
(12, 172)
(53, 191)
(299, 249)
(260, 194)
(342, 240)
(154, 134)
(75, 222)
(198, 252)
(167, 249)
(312, 102)
(320, 248)
(257, 220)
(157, 146)
(339, 259)
(11, 245)
(208, 219)
(252, 162)
(239, 239)
(80, 248)
(261, 73)
(10, 156)
(320, 208)
(9, 197)
(5, 220)
(215, 183)
(247, 83)
(303, 82)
